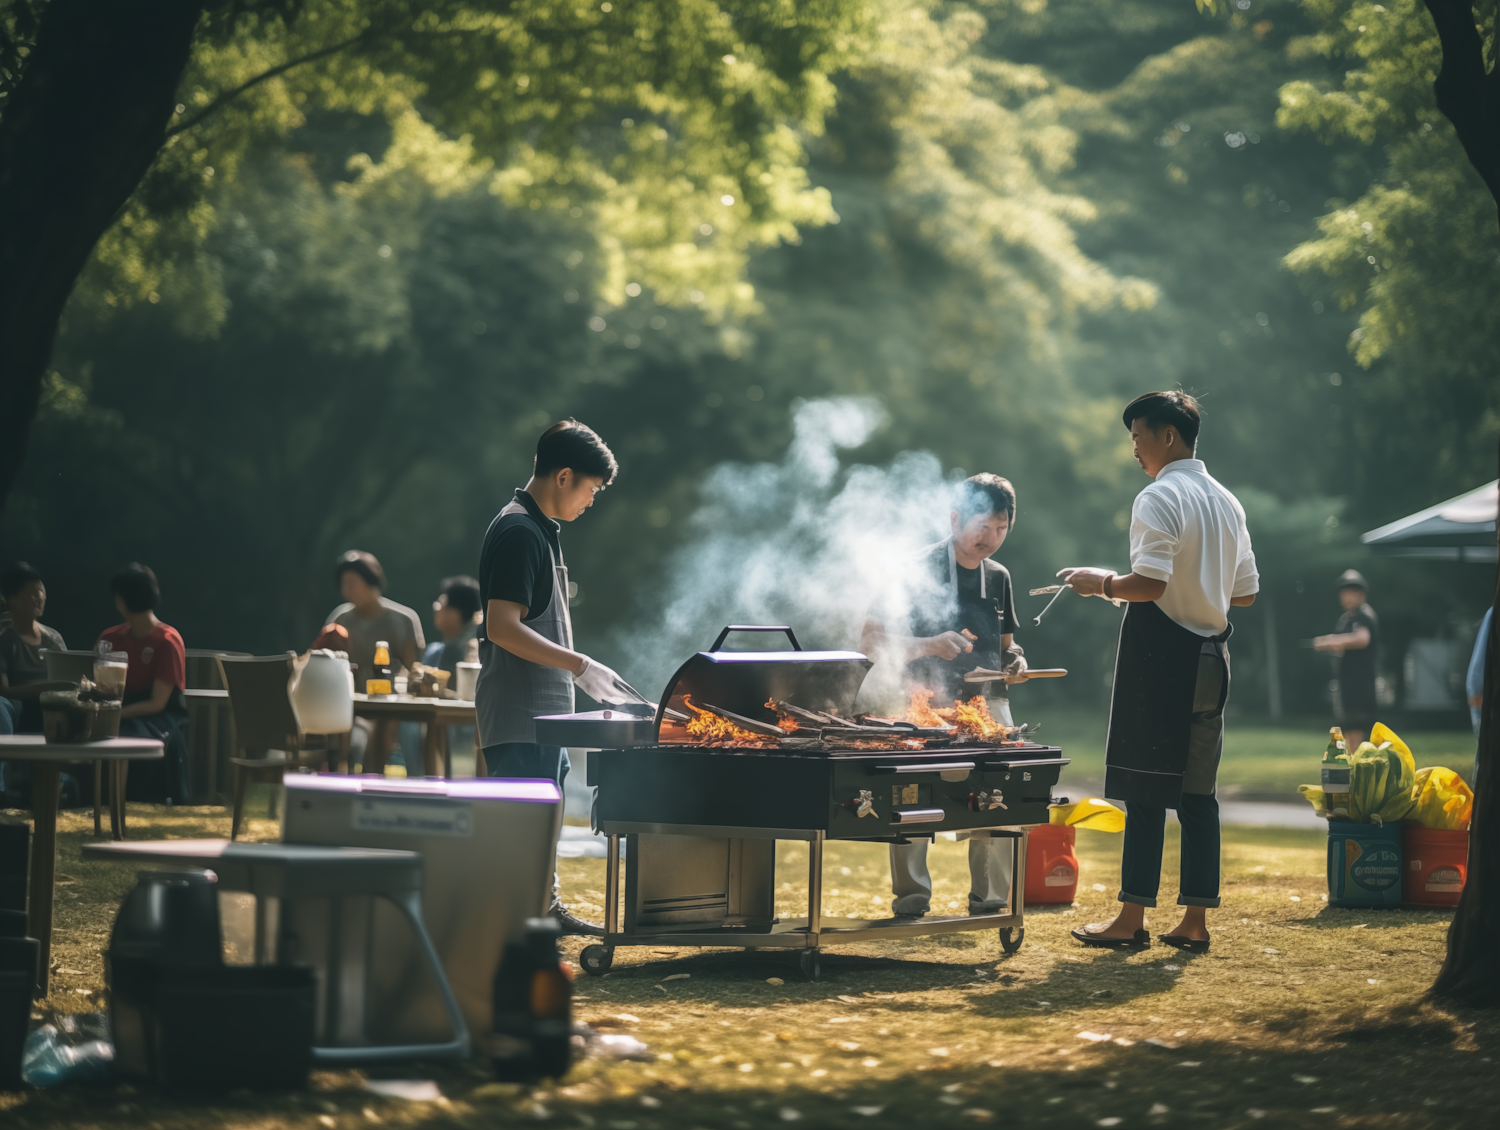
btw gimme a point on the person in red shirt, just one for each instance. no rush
(154, 682)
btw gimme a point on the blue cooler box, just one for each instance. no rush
(1364, 864)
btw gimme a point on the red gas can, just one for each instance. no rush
(1436, 865)
(1051, 864)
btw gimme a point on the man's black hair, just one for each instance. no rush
(462, 594)
(136, 586)
(985, 494)
(1159, 409)
(16, 577)
(569, 444)
(365, 564)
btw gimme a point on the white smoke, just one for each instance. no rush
(805, 542)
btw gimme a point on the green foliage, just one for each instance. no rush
(379, 274)
(1416, 252)
(674, 129)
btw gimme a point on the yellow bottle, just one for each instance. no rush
(379, 681)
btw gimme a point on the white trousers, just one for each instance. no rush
(989, 875)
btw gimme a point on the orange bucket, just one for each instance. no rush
(1051, 864)
(1436, 863)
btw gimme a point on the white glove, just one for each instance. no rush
(602, 684)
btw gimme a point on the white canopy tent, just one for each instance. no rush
(1461, 529)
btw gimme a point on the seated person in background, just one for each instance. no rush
(21, 646)
(455, 614)
(154, 682)
(369, 618)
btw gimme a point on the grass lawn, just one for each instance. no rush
(1261, 762)
(1300, 1016)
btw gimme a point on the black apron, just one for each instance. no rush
(1163, 673)
(956, 611)
(512, 691)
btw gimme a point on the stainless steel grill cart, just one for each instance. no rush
(701, 817)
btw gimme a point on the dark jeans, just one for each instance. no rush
(156, 781)
(1140, 865)
(527, 759)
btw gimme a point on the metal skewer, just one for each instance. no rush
(1058, 590)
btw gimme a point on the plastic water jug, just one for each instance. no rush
(322, 694)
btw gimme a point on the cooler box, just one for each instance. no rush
(1051, 864)
(1364, 864)
(488, 847)
(1437, 863)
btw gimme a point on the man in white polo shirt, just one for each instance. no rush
(1190, 560)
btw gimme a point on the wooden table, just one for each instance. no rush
(48, 759)
(437, 713)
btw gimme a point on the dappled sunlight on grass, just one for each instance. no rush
(1296, 1009)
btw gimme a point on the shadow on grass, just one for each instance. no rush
(1375, 1076)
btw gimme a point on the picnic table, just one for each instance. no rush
(437, 713)
(48, 759)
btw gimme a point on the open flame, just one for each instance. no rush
(785, 721)
(710, 729)
(973, 718)
(920, 711)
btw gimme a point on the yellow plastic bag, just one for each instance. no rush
(1443, 800)
(1383, 733)
(1091, 812)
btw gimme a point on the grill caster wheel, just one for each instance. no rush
(810, 964)
(596, 960)
(1011, 938)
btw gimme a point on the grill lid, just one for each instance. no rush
(743, 681)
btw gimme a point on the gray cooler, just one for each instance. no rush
(488, 855)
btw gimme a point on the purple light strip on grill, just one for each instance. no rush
(781, 656)
(466, 788)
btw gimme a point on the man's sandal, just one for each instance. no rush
(1192, 945)
(1090, 937)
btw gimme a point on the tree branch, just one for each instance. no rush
(1466, 95)
(229, 96)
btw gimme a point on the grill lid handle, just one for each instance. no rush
(718, 643)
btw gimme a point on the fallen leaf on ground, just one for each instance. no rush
(677, 977)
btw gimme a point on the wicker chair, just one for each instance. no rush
(265, 725)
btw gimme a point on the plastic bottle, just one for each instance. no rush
(379, 681)
(1335, 768)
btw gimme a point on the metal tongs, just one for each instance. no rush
(1059, 590)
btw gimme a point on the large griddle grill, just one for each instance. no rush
(701, 820)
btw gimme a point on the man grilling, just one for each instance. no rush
(955, 612)
(528, 665)
(1190, 560)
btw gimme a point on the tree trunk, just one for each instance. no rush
(1468, 97)
(79, 132)
(1470, 975)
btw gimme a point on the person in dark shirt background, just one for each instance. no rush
(22, 642)
(455, 614)
(1354, 642)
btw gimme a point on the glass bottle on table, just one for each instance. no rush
(379, 681)
(1335, 768)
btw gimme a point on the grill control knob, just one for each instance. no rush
(863, 805)
(985, 800)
